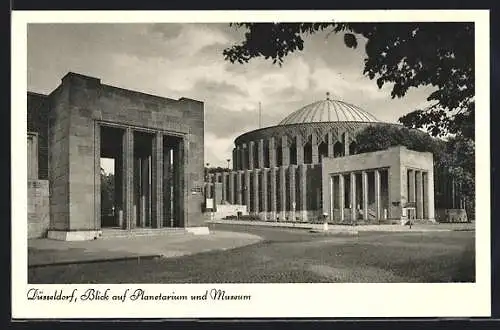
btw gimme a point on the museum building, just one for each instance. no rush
(156, 144)
(306, 168)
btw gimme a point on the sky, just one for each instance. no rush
(176, 60)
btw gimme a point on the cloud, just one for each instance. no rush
(185, 60)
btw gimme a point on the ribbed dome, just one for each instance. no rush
(328, 111)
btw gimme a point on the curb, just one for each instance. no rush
(92, 261)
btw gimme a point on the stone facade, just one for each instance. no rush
(408, 184)
(77, 113)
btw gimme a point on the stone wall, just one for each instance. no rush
(38, 208)
(78, 104)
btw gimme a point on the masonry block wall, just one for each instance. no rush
(38, 208)
(74, 113)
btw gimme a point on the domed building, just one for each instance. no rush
(306, 168)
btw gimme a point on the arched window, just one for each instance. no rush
(308, 153)
(293, 153)
(338, 149)
(322, 150)
(352, 148)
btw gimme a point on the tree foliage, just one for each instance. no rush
(407, 55)
(107, 192)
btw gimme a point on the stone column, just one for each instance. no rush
(314, 149)
(377, 195)
(364, 183)
(97, 172)
(341, 197)
(303, 191)
(346, 144)
(330, 145)
(428, 180)
(353, 198)
(247, 189)
(239, 187)
(157, 181)
(282, 171)
(251, 160)
(291, 174)
(272, 153)
(128, 178)
(419, 205)
(265, 173)
(244, 157)
(300, 149)
(230, 189)
(256, 194)
(273, 193)
(331, 207)
(411, 185)
(224, 187)
(235, 159)
(144, 192)
(285, 151)
(260, 153)
(33, 154)
(209, 186)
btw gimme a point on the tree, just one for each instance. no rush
(107, 192)
(408, 55)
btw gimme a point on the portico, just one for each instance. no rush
(377, 186)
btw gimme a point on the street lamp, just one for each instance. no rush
(228, 160)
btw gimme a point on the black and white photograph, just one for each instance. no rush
(188, 160)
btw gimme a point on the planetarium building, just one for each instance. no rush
(306, 168)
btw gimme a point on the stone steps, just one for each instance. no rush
(121, 233)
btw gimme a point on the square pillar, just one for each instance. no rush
(314, 149)
(264, 174)
(419, 205)
(364, 185)
(428, 192)
(255, 194)
(230, 188)
(273, 193)
(246, 190)
(332, 198)
(353, 197)
(377, 195)
(282, 171)
(244, 157)
(239, 187)
(303, 191)
(330, 145)
(411, 185)
(300, 149)
(272, 153)
(157, 181)
(346, 144)
(224, 187)
(97, 175)
(235, 159)
(285, 151)
(128, 178)
(341, 197)
(293, 203)
(251, 160)
(260, 153)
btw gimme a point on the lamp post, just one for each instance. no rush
(228, 160)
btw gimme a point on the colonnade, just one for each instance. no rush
(294, 150)
(284, 192)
